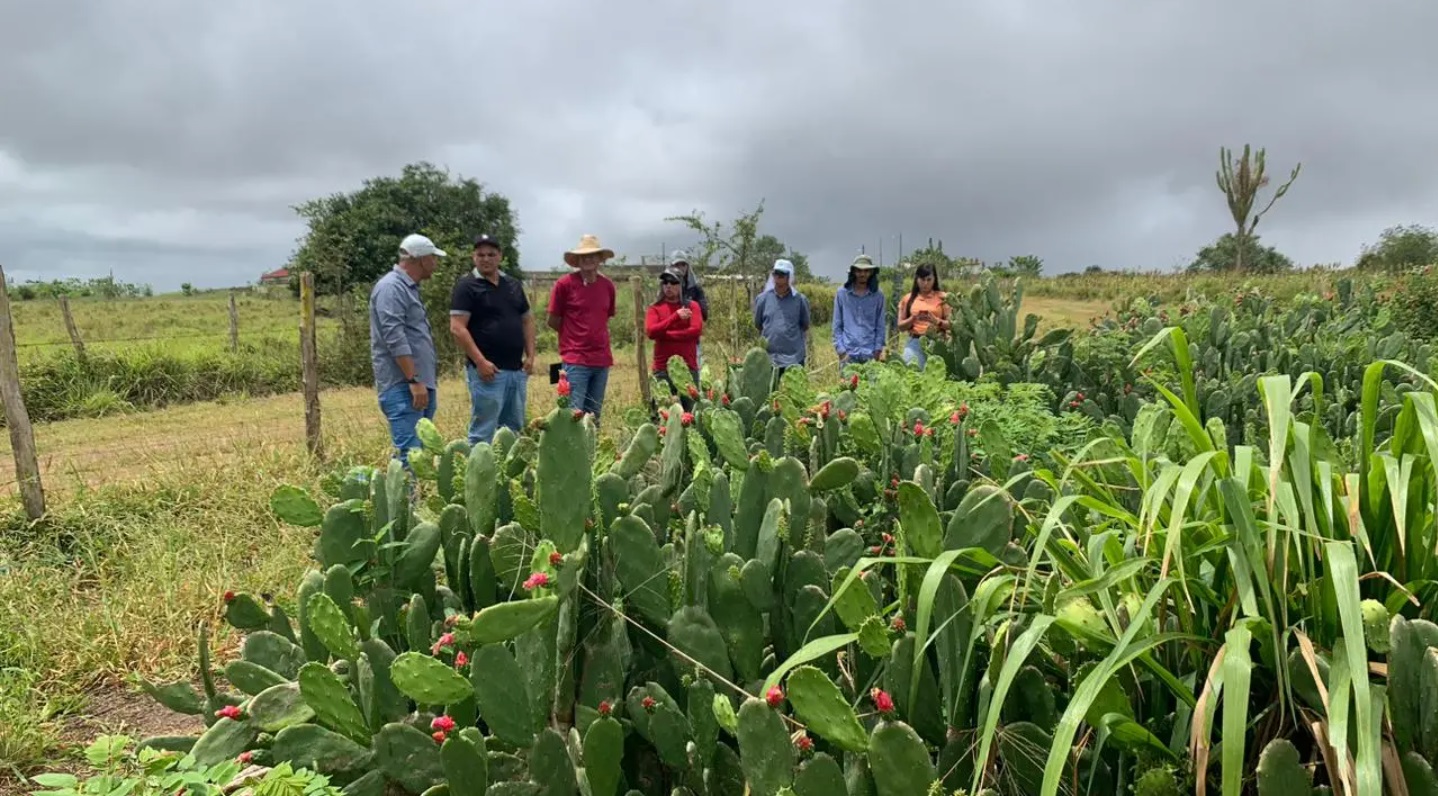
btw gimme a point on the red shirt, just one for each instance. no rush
(586, 310)
(672, 335)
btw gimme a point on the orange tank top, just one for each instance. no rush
(934, 303)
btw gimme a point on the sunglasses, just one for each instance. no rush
(784, 274)
(669, 280)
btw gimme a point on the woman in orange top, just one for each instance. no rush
(922, 308)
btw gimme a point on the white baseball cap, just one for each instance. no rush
(784, 267)
(420, 246)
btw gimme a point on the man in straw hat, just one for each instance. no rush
(580, 306)
(401, 346)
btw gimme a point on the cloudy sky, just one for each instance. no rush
(167, 139)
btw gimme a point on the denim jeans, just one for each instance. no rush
(586, 386)
(914, 352)
(497, 402)
(398, 408)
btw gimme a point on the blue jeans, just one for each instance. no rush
(398, 408)
(587, 386)
(914, 352)
(497, 402)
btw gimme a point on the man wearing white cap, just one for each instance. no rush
(401, 346)
(781, 314)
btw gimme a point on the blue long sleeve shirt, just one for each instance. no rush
(399, 327)
(784, 324)
(859, 323)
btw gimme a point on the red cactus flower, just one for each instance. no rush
(229, 712)
(687, 419)
(804, 421)
(555, 558)
(873, 551)
(1022, 457)
(882, 701)
(693, 391)
(776, 405)
(438, 736)
(605, 708)
(461, 660)
(648, 704)
(663, 414)
(929, 432)
(854, 382)
(803, 742)
(710, 394)
(843, 416)
(663, 430)
(245, 758)
(536, 581)
(563, 387)
(898, 624)
(918, 428)
(446, 640)
(578, 414)
(888, 538)
(724, 400)
(955, 419)
(774, 696)
(442, 723)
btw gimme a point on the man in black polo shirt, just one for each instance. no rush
(490, 319)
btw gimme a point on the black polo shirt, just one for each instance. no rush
(496, 314)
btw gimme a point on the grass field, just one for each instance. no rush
(155, 513)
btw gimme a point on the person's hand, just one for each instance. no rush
(685, 313)
(419, 396)
(528, 365)
(486, 369)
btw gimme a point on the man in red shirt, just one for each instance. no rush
(580, 306)
(674, 325)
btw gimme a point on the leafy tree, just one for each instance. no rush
(353, 238)
(768, 248)
(1025, 265)
(1401, 247)
(741, 250)
(1240, 180)
(1226, 254)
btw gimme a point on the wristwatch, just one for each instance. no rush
(412, 380)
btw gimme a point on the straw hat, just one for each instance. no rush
(588, 244)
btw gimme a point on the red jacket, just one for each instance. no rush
(673, 336)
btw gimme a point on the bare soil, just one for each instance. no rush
(110, 709)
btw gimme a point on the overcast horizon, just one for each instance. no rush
(167, 142)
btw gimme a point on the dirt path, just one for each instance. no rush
(115, 710)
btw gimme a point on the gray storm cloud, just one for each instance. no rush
(167, 141)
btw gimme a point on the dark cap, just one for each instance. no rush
(671, 275)
(486, 240)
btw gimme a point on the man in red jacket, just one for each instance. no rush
(675, 326)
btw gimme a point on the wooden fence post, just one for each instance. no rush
(71, 328)
(640, 360)
(234, 324)
(17, 419)
(310, 365)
